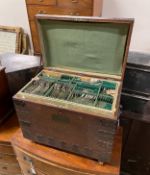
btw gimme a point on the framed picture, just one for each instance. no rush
(10, 39)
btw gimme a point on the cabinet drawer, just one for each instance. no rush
(9, 159)
(33, 10)
(29, 164)
(10, 169)
(41, 2)
(26, 169)
(6, 149)
(22, 157)
(76, 3)
(35, 37)
(55, 169)
(39, 173)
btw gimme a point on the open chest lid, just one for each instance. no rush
(85, 44)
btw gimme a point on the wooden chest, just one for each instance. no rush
(59, 7)
(41, 160)
(74, 105)
(5, 98)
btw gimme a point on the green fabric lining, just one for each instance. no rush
(94, 47)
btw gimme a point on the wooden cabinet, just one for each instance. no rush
(60, 7)
(41, 9)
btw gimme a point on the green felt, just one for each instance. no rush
(94, 47)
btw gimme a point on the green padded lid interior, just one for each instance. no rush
(85, 46)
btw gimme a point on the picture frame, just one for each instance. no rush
(10, 37)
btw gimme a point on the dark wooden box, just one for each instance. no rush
(5, 98)
(135, 153)
(91, 50)
(19, 69)
(135, 117)
(136, 86)
(137, 74)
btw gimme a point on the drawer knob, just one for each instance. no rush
(74, 14)
(77, 14)
(74, 1)
(4, 168)
(42, 12)
(40, 0)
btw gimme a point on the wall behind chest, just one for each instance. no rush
(14, 13)
(136, 9)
